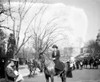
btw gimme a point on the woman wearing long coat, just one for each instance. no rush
(56, 58)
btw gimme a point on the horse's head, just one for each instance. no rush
(48, 63)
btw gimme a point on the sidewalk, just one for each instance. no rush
(23, 69)
(24, 72)
(23, 66)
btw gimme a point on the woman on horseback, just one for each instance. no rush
(59, 66)
(53, 66)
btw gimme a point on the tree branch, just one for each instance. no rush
(23, 43)
(5, 27)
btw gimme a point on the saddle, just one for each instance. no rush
(58, 66)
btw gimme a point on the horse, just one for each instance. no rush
(50, 71)
(33, 65)
(30, 67)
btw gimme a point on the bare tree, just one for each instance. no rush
(3, 18)
(2, 43)
(91, 47)
(21, 13)
(45, 36)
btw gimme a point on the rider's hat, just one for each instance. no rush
(55, 46)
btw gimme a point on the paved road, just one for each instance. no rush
(85, 75)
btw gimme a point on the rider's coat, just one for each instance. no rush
(58, 64)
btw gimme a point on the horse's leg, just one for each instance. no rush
(30, 73)
(47, 78)
(33, 71)
(63, 76)
(40, 68)
(52, 78)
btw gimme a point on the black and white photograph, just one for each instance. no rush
(49, 40)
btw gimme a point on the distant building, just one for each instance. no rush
(68, 52)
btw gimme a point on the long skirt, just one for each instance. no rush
(69, 73)
(59, 65)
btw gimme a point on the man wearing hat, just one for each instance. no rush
(12, 75)
(59, 66)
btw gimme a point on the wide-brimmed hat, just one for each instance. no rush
(54, 46)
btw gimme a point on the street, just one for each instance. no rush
(85, 75)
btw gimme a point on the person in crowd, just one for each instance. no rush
(95, 63)
(86, 63)
(81, 64)
(74, 66)
(77, 64)
(69, 71)
(91, 62)
(11, 73)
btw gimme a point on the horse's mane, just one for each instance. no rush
(49, 62)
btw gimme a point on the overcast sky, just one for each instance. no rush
(92, 10)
